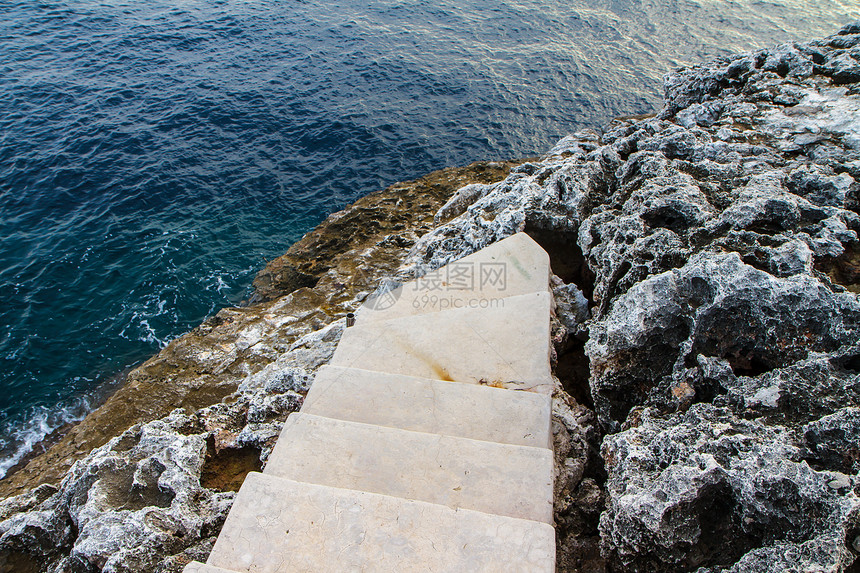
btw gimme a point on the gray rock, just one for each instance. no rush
(708, 489)
(833, 440)
(582, 141)
(572, 307)
(461, 200)
(146, 500)
(293, 370)
(715, 306)
(800, 393)
(552, 196)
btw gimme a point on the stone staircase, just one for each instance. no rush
(425, 445)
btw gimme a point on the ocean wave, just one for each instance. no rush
(20, 434)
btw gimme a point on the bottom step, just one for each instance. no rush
(278, 525)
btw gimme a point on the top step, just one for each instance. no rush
(506, 345)
(513, 266)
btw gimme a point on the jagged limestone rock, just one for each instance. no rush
(154, 497)
(645, 349)
(707, 489)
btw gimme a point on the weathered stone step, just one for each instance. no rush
(513, 266)
(197, 567)
(506, 345)
(432, 406)
(514, 481)
(279, 526)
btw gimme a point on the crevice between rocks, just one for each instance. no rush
(225, 470)
(19, 562)
(581, 496)
(574, 372)
(569, 264)
(843, 270)
(566, 259)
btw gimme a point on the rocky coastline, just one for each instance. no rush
(707, 341)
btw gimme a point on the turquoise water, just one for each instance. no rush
(153, 155)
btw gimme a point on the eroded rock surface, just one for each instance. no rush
(706, 340)
(705, 488)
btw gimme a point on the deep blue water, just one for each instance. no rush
(153, 155)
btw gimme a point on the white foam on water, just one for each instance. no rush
(18, 439)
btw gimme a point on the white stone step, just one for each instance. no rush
(280, 526)
(506, 345)
(513, 266)
(197, 567)
(432, 406)
(514, 481)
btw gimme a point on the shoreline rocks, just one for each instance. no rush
(707, 409)
(346, 255)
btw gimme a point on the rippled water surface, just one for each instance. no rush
(153, 155)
